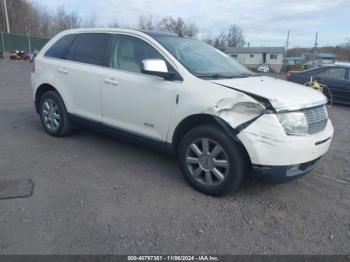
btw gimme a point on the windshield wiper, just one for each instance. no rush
(207, 75)
(215, 76)
(223, 75)
(246, 75)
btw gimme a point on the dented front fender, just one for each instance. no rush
(238, 111)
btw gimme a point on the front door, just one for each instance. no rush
(133, 101)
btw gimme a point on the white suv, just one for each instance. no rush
(182, 96)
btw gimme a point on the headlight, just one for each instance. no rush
(294, 123)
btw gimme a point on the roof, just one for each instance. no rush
(335, 65)
(255, 50)
(157, 33)
(294, 58)
(326, 55)
(116, 30)
(347, 64)
(343, 65)
(330, 55)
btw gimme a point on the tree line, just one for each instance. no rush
(342, 51)
(26, 17)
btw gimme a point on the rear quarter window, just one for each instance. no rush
(58, 49)
(90, 48)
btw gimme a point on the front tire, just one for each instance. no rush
(211, 161)
(53, 115)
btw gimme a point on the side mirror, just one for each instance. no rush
(156, 67)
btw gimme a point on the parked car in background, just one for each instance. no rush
(336, 77)
(182, 96)
(19, 55)
(263, 68)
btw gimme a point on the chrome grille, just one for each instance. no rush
(317, 118)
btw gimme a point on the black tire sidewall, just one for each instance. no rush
(55, 97)
(234, 153)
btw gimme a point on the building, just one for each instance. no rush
(252, 57)
(323, 58)
(316, 59)
(327, 58)
(294, 63)
(294, 60)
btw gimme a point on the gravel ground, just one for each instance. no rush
(98, 195)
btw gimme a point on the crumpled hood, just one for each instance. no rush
(282, 94)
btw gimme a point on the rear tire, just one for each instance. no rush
(211, 161)
(53, 115)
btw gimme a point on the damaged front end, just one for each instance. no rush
(240, 111)
(276, 140)
(257, 126)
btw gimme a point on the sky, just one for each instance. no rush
(264, 22)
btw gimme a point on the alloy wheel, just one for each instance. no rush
(207, 162)
(51, 115)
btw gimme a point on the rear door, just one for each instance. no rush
(49, 66)
(336, 79)
(83, 63)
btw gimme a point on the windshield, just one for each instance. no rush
(201, 59)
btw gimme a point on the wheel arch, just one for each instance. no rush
(40, 91)
(195, 120)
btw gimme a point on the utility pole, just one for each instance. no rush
(3, 43)
(316, 44)
(29, 44)
(287, 42)
(315, 47)
(285, 52)
(6, 17)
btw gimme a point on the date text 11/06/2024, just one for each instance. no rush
(173, 258)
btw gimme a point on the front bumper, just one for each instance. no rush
(285, 172)
(268, 145)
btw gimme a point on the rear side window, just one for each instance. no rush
(90, 48)
(336, 72)
(58, 49)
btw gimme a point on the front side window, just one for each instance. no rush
(90, 48)
(58, 49)
(128, 52)
(336, 72)
(201, 59)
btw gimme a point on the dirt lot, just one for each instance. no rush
(95, 195)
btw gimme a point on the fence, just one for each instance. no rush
(27, 43)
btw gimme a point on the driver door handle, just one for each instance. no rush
(111, 81)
